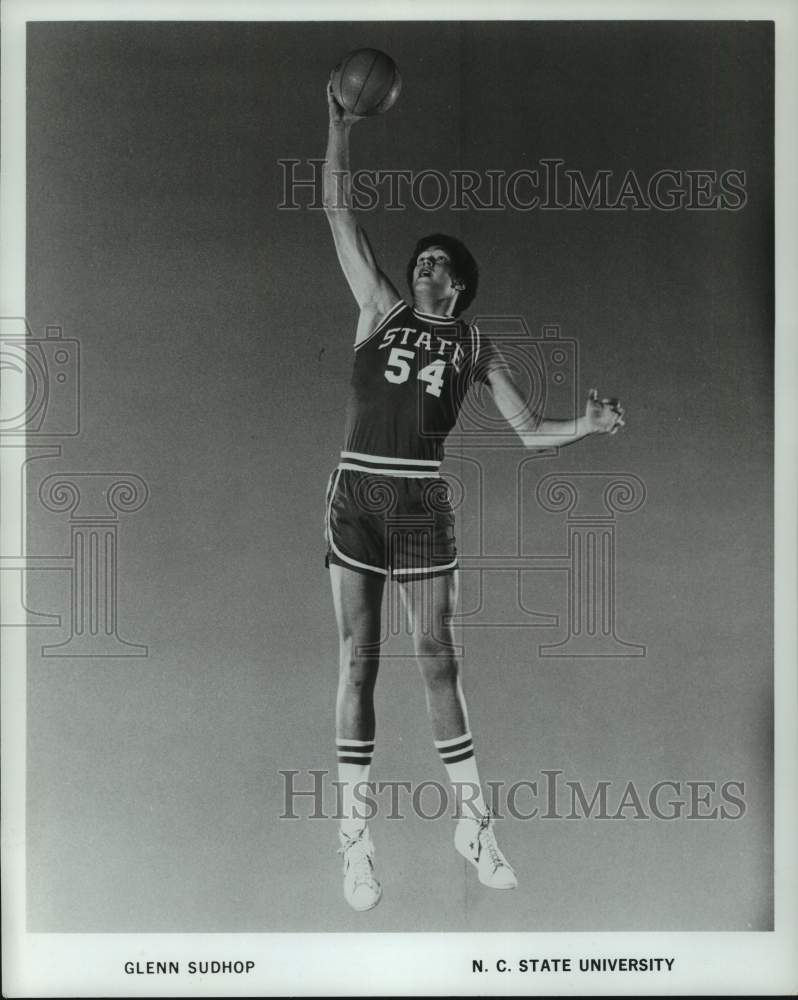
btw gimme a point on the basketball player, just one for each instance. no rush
(385, 517)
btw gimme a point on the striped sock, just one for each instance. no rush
(458, 757)
(354, 761)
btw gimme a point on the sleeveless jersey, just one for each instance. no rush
(409, 380)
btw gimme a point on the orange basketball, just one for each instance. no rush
(366, 82)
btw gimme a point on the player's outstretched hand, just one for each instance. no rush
(338, 114)
(604, 416)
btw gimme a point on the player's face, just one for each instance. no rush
(434, 268)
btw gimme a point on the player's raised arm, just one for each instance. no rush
(601, 416)
(373, 292)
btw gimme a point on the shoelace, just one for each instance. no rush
(489, 841)
(357, 858)
(486, 839)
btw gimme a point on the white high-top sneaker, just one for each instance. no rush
(475, 839)
(362, 890)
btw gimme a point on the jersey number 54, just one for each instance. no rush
(398, 370)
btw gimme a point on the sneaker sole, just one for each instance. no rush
(365, 909)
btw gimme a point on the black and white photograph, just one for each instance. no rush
(398, 542)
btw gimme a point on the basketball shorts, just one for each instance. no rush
(390, 526)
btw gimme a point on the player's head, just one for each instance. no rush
(460, 269)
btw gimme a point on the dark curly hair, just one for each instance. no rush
(464, 266)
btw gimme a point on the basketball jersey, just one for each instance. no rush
(409, 380)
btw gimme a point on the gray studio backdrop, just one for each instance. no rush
(214, 332)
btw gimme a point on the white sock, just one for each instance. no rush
(458, 758)
(354, 762)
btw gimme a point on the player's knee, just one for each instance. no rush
(358, 664)
(439, 666)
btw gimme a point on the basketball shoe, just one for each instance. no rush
(475, 839)
(362, 890)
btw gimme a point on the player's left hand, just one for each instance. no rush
(603, 416)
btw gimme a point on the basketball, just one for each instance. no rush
(366, 82)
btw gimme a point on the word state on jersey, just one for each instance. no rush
(404, 344)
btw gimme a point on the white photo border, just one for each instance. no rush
(51, 965)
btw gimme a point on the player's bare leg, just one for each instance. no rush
(430, 604)
(357, 598)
